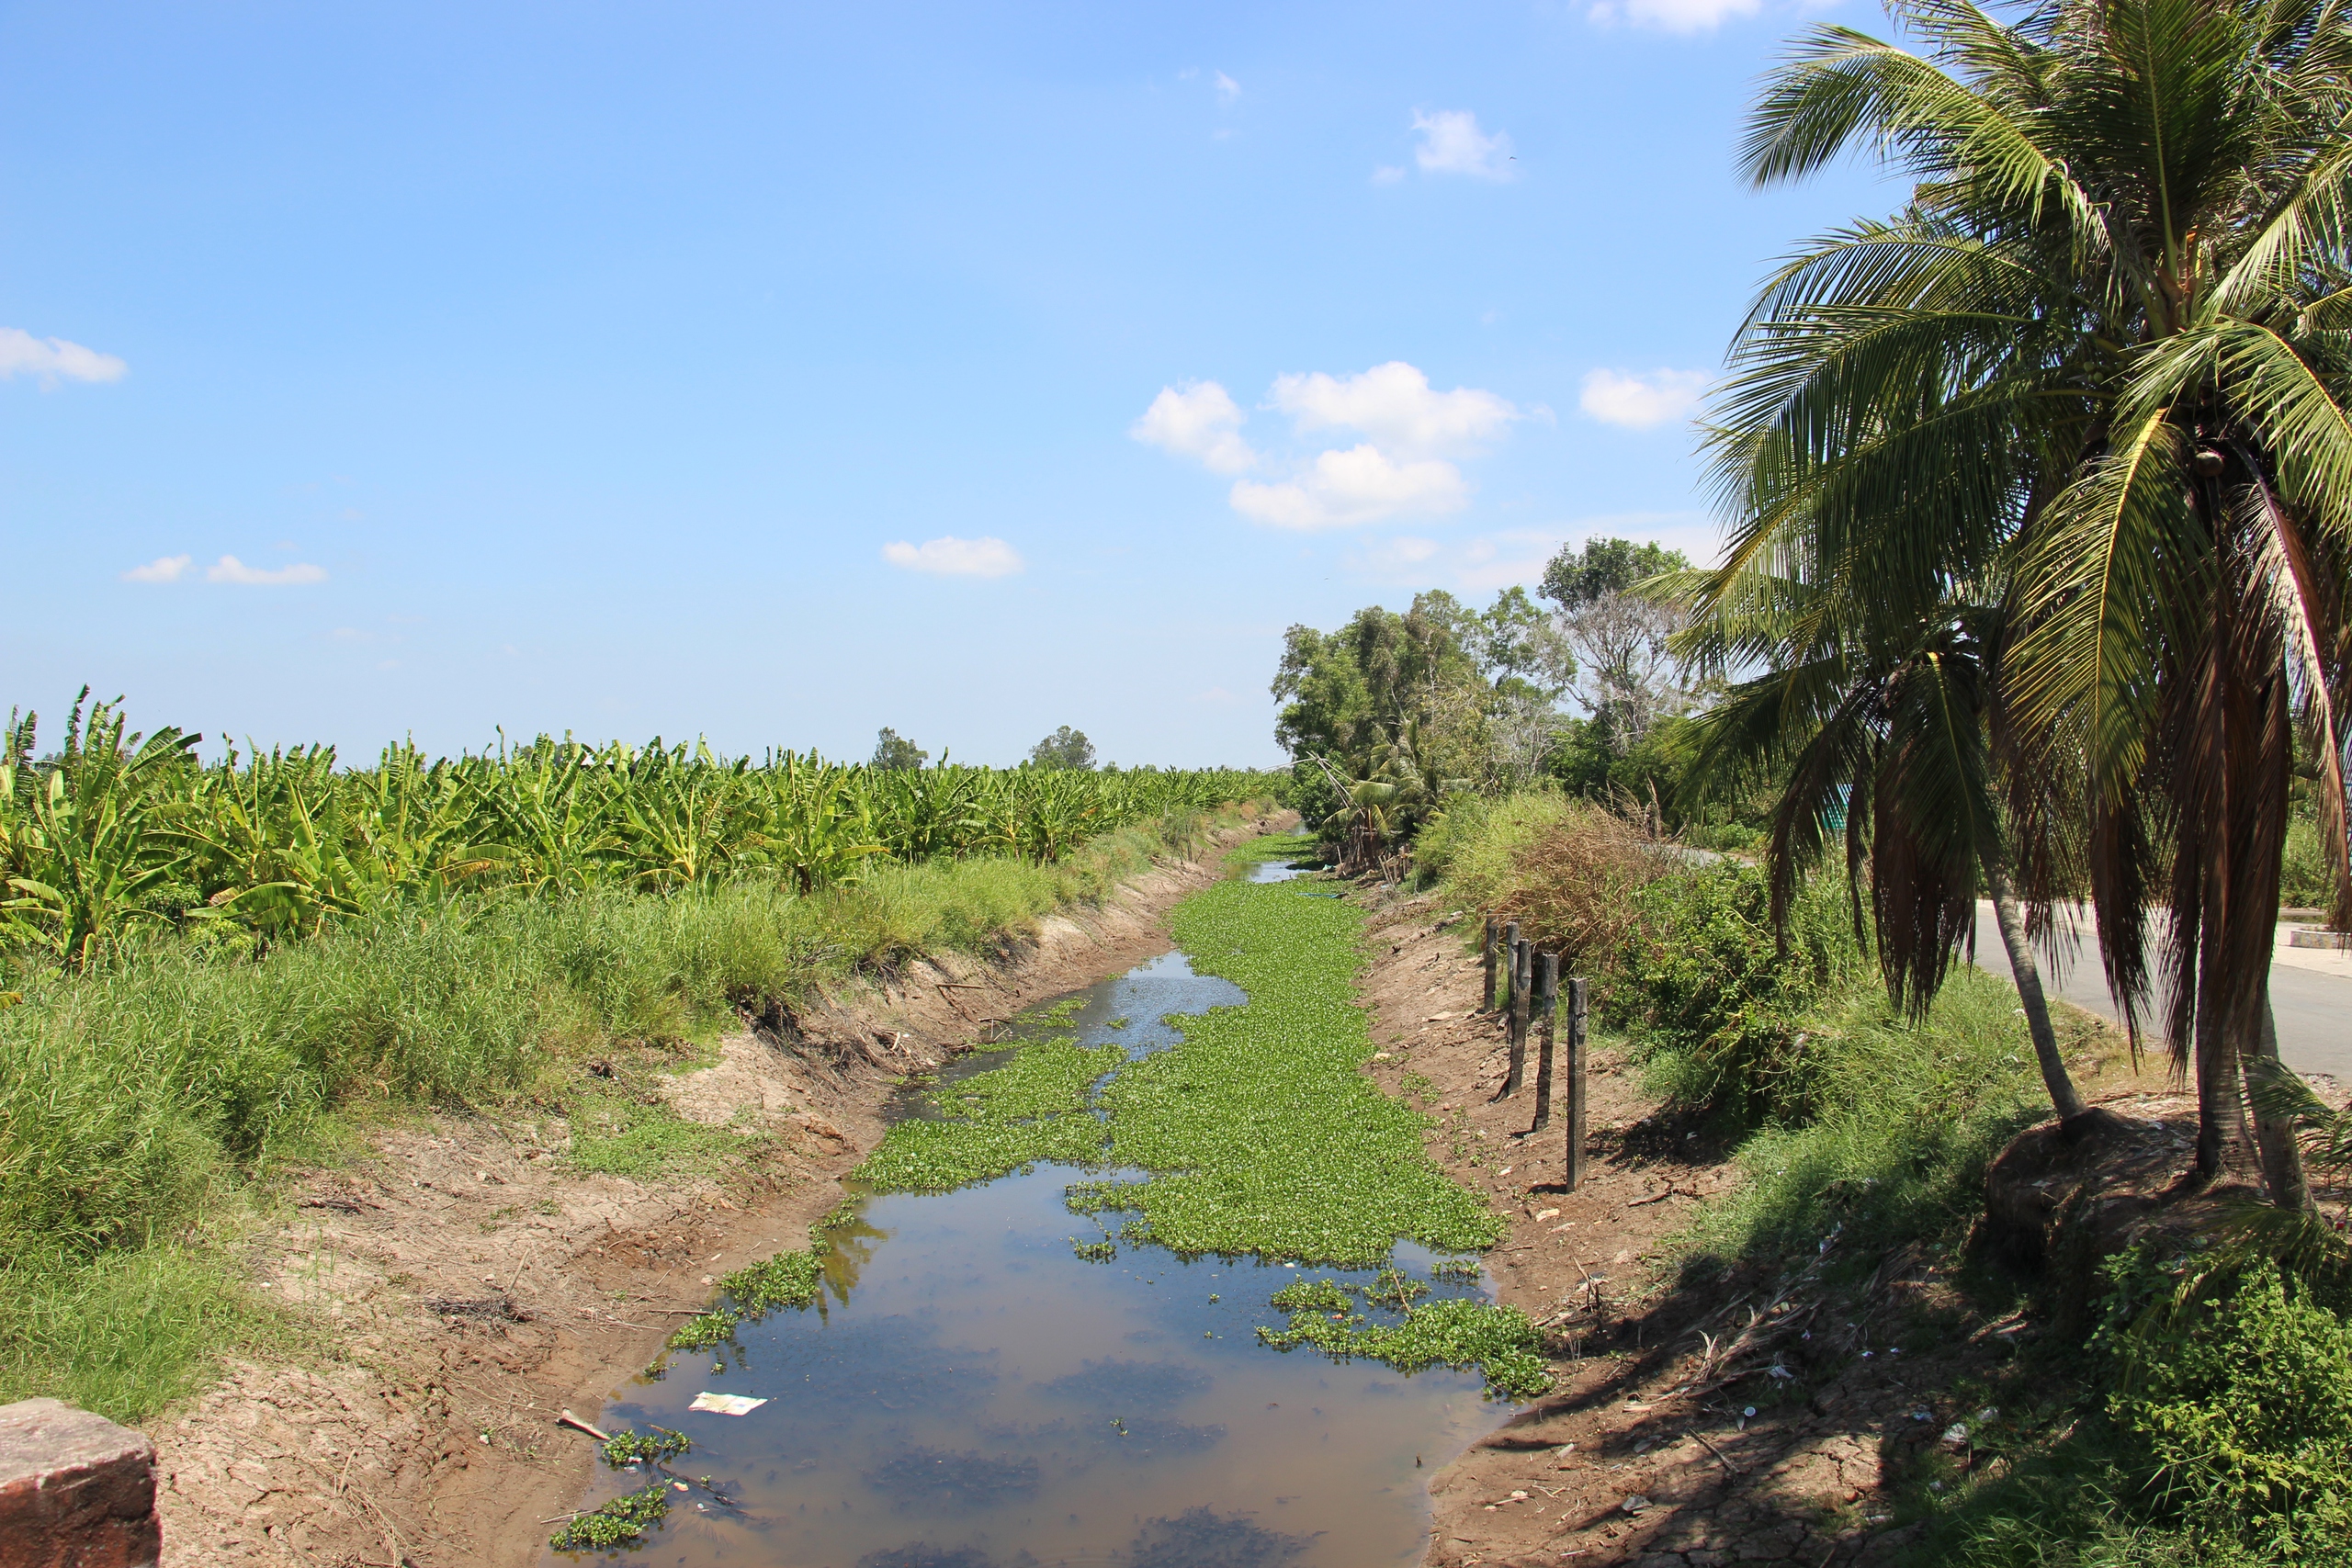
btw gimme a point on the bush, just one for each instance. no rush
(2234, 1412)
(1702, 975)
(1567, 871)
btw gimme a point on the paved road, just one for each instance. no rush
(2313, 1007)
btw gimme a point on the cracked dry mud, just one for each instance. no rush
(466, 1285)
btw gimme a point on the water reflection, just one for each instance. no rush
(973, 1394)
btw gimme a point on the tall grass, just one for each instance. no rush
(138, 1097)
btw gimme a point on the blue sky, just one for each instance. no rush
(775, 374)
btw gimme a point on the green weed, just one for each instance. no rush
(622, 1521)
(649, 1447)
(1498, 1342)
(787, 1279)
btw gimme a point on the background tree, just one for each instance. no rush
(893, 751)
(1065, 749)
(1623, 668)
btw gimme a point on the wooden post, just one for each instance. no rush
(1576, 1065)
(1547, 1013)
(1488, 1005)
(1510, 957)
(1522, 961)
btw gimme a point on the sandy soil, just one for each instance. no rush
(466, 1286)
(1641, 1454)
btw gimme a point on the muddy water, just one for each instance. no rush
(973, 1394)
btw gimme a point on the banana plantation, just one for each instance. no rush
(114, 830)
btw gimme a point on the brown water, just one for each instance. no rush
(972, 1394)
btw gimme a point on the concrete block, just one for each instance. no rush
(76, 1490)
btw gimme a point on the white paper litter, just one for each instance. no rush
(725, 1404)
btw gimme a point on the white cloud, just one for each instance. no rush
(1486, 563)
(1226, 87)
(952, 557)
(1199, 420)
(162, 568)
(21, 354)
(1638, 402)
(1393, 404)
(229, 569)
(1672, 15)
(1362, 484)
(1451, 144)
(1402, 557)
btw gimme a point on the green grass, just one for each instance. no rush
(129, 1333)
(146, 1104)
(1901, 1119)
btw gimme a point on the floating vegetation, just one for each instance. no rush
(1033, 1108)
(1093, 1197)
(1456, 1269)
(1263, 1135)
(938, 1478)
(622, 1521)
(787, 1279)
(1199, 1538)
(649, 1447)
(1498, 1342)
(1093, 1251)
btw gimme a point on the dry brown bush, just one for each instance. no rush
(1567, 872)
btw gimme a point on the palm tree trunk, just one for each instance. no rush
(2027, 976)
(2221, 1131)
(2282, 1158)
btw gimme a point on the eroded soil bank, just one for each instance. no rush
(465, 1284)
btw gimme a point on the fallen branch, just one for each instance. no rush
(1719, 1454)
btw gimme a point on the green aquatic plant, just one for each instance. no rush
(1033, 1108)
(648, 1446)
(1260, 1133)
(622, 1521)
(787, 1279)
(1498, 1342)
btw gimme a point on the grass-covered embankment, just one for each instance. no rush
(1258, 1133)
(147, 1103)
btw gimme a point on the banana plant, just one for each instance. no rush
(88, 838)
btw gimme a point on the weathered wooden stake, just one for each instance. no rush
(1510, 957)
(1576, 1065)
(1488, 1005)
(1547, 1013)
(1522, 961)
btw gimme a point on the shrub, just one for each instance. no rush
(2235, 1412)
(1701, 973)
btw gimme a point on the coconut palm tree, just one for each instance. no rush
(1897, 750)
(2101, 355)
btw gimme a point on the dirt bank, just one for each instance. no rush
(1642, 1453)
(465, 1284)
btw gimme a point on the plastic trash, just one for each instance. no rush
(725, 1404)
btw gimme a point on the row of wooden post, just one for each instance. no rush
(1531, 994)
